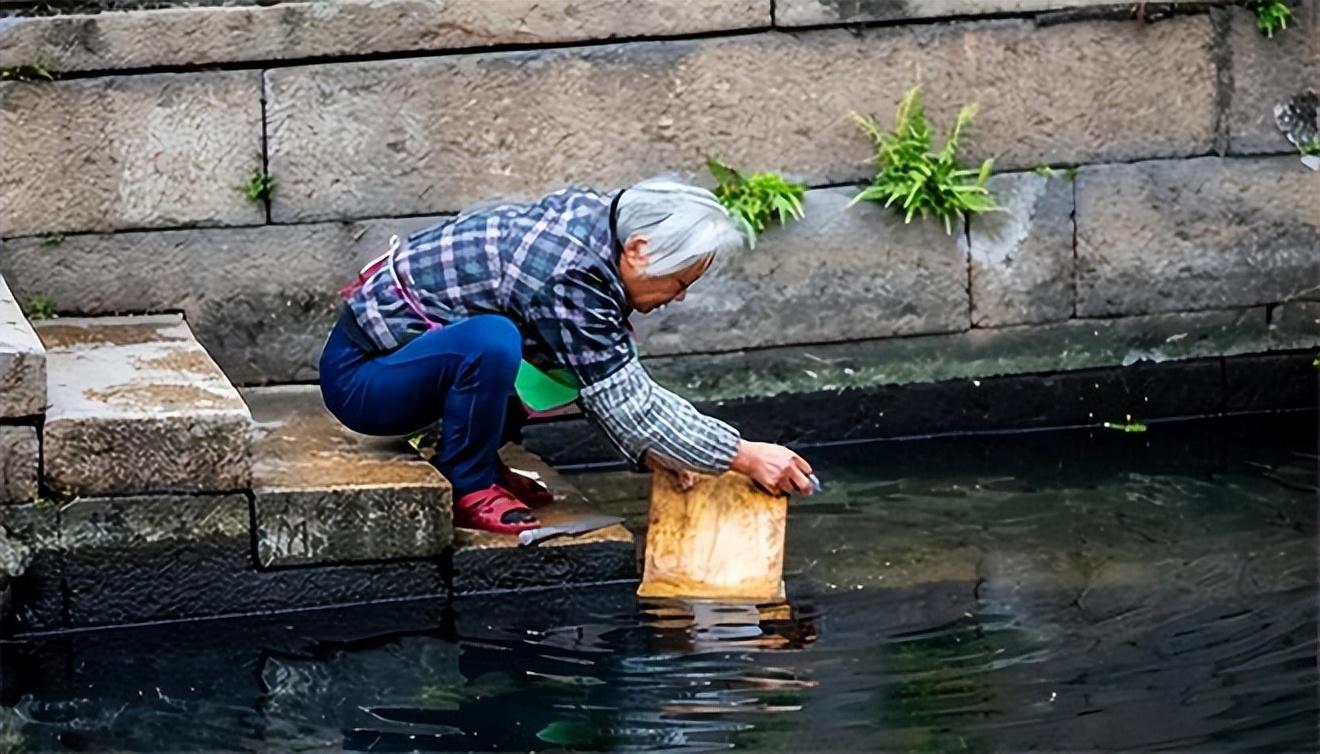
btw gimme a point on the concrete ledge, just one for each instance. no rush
(975, 354)
(22, 361)
(323, 494)
(487, 562)
(163, 150)
(20, 461)
(136, 405)
(1100, 92)
(1209, 233)
(1143, 391)
(116, 549)
(200, 36)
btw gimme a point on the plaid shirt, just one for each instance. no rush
(549, 267)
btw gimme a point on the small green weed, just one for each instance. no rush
(923, 182)
(259, 187)
(1271, 15)
(1071, 173)
(1127, 426)
(1044, 170)
(757, 200)
(1311, 147)
(52, 239)
(29, 73)
(42, 307)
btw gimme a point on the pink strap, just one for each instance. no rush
(404, 293)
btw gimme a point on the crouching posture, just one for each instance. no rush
(447, 323)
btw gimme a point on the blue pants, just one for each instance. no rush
(461, 374)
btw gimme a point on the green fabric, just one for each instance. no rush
(543, 391)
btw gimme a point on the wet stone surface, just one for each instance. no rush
(116, 550)
(486, 562)
(136, 405)
(325, 494)
(35, 595)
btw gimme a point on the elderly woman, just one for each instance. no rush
(445, 324)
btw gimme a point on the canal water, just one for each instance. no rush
(1085, 590)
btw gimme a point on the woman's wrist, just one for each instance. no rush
(741, 458)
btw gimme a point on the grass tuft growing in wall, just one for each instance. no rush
(758, 200)
(31, 73)
(1272, 16)
(918, 181)
(42, 307)
(258, 188)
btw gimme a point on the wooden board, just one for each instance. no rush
(723, 539)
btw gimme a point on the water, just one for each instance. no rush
(1047, 592)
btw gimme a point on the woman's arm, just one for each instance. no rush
(641, 417)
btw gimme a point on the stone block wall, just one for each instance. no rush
(1173, 198)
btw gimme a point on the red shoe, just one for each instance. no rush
(531, 492)
(488, 509)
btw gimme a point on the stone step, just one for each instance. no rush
(488, 562)
(22, 362)
(138, 406)
(325, 494)
(22, 401)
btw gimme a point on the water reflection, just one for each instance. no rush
(1045, 595)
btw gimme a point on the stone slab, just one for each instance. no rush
(20, 459)
(131, 559)
(261, 300)
(1207, 233)
(976, 354)
(1267, 71)
(814, 12)
(398, 137)
(1295, 324)
(201, 36)
(324, 494)
(22, 360)
(129, 152)
(1022, 257)
(36, 597)
(880, 276)
(488, 562)
(137, 405)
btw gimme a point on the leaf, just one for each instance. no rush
(725, 175)
(569, 733)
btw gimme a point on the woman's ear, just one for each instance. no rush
(634, 252)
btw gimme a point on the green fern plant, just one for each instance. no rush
(919, 181)
(42, 307)
(757, 200)
(1271, 15)
(258, 188)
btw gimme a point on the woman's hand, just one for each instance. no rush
(774, 467)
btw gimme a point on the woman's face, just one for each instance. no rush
(647, 294)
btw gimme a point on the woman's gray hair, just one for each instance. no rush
(684, 225)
